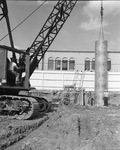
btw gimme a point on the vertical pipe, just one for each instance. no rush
(43, 63)
(101, 74)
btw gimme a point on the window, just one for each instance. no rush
(57, 64)
(65, 64)
(93, 64)
(87, 64)
(50, 63)
(71, 64)
(109, 64)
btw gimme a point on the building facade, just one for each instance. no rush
(76, 60)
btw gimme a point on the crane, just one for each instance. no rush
(49, 31)
(27, 106)
(3, 6)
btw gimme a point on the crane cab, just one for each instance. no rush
(7, 79)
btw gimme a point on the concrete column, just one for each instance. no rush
(101, 74)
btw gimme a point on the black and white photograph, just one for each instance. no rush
(59, 75)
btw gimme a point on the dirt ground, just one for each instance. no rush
(71, 127)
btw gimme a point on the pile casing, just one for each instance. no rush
(101, 73)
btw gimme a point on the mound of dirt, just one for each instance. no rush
(76, 128)
(12, 131)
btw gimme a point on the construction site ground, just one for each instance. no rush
(71, 127)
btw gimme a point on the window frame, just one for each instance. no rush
(108, 64)
(71, 63)
(50, 63)
(65, 63)
(57, 63)
(87, 66)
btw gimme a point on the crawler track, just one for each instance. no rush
(22, 107)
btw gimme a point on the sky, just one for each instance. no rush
(79, 32)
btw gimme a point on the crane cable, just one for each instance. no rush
(24, 19)
(101, 34)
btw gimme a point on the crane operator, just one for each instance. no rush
(13, 69)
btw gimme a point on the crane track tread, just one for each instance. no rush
(31, 111)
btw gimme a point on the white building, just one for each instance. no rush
(59, 68)
(77, 60)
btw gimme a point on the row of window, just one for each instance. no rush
(90, 65)
(66, 64)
